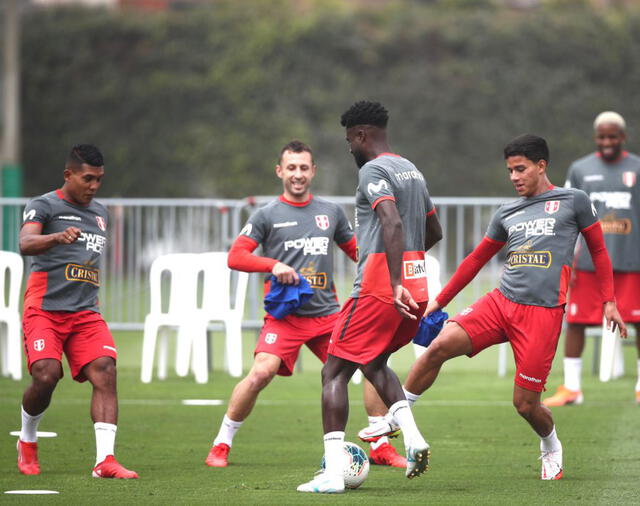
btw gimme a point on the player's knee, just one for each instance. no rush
(102, 371)
(260, 377)
(46, 373)
(524, 407)
(440, 350)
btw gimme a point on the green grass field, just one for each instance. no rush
(482, 452)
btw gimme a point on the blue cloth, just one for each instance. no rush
(430, 327)
(285, 299)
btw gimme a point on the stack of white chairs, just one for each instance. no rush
(10, 334)
(190, 318)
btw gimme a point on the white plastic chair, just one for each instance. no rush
(10, 336)
(434, 285)
(190, 319)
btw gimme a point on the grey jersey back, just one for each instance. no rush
(391, 177)
(303, 237)
(540, 234)
(614, 190)
(67, 276)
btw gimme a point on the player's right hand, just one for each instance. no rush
(432, 306)
(285, 274)
(614, 319)
(69, 235)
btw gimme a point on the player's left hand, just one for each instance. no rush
(403, 302)
(614, 319)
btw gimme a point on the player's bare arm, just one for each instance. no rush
(393, 238)
(33, 242)
(434, 231)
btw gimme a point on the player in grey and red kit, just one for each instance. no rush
(611, 178)
(539, 231)
(396, 223)
(65, 232)
(297, 233)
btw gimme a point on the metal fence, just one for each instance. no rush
(141, 229)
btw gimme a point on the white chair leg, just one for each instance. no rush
(199, 365)
(233, 348)
(4, 349)
(148, 350)
(618, 363)
(357, 377)
(183, 350)
(14, 356)
(163, 353)
(502, 359)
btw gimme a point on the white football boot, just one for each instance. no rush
(324, 483)
(418, 454)
(551, 465)
(383, 428)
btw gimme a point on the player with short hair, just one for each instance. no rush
(65, 232)
(297, 233)
(539, 230)
(396, 223)
(610, 178)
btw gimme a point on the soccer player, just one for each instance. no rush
(297, 233)
(65, 233)
(610, 178)
(539, 230)
(395, 224)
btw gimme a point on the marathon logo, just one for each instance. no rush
(414, 269)
(612, 200)
(410, 174)
(94, 242)
(612, 225)
(309, 245)
(540, 259)
(82, 273)
(529, 378)
(539, 226)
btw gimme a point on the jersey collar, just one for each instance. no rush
(386, 153)
(282, 198)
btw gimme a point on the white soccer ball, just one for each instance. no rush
(356, 465)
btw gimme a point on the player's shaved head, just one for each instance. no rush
(296, 146)
(530, 146)
(365, 113)
(84, 154)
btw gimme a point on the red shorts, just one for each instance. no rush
(585, 304)
(532, 331)
(368, 328)
(83, 336)
(285, 337)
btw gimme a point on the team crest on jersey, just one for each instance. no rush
(38, 344)
(322, 220)
(102, 224)
(551, 206)
(270, 338)
(629, 179)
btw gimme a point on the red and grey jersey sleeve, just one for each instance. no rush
(37, 210)
(257, 227)
(496, 230)
(586, 214)
(375, 184)
(344, 231)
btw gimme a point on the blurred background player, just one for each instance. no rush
(297, 233)
(396, 223)
(65, 232)
(540, 231)
(610, 178)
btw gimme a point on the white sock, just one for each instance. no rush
(412, 398)
(572, 373)
(402, 414)
(228, 429)
(550, 443)
(105, 440)
(29, 430)
(334, 453)
(638, 383)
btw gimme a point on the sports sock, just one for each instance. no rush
(412, 398)
(638, 383)
(572, 373)
(105, 440)
(550, 443)
(228, 429)
(402, 414)
(29, 429)
(334, 453)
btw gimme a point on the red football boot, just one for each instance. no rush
(28, 458)
(386, 455)
(111, 468)
(218, 456)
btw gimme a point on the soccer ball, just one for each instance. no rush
(356, 465)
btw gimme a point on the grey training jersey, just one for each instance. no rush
(541, 234)
(302, 236)
(615, 192)
(67, 276)
(391, 177)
